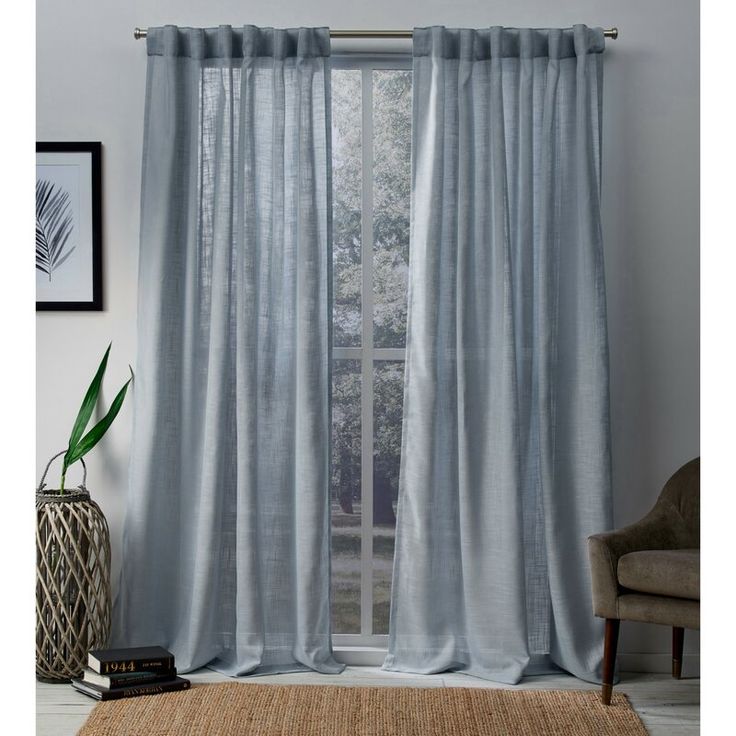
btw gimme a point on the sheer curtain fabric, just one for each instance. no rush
(505, 457)
(226, 539)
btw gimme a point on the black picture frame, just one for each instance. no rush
(95, 227)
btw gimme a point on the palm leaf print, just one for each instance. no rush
(54, 225)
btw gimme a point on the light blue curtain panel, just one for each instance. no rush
(226, 541)
(505, 464)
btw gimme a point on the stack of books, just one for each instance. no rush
(125, 673)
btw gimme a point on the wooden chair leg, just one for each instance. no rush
(678, 637)
(609, 658)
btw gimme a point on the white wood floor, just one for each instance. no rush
(667, 707)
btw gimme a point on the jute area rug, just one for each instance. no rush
(232, 709)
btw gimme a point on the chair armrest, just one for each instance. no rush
(657, 530)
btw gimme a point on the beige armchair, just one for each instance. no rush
(650, 571)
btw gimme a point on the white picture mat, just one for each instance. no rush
(73, 281)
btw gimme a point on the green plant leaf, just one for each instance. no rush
(97, 432)
(88, 405)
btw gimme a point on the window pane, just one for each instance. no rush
(391, 188)
(345, 496)
(389, 218)
(346, 206)
(388, 400)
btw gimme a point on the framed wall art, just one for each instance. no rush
(68, 226)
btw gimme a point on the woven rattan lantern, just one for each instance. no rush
(72, 580)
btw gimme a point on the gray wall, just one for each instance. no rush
(91, 76)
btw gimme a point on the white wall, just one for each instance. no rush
(91, 76)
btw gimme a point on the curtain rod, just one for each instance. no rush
(139, 33)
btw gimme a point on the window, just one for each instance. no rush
(371, 118)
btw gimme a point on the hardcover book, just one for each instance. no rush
(133, 659)
(128, 678)
(151, 688)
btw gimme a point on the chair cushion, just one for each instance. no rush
(659, 609)
(671, 572)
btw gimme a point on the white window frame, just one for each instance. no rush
(366, 648)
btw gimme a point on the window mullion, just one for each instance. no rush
(392, 354)
(366, 566)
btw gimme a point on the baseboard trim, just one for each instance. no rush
(627, 662)
(658, 663)
(360, 656)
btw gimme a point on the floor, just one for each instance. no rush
(667, 707)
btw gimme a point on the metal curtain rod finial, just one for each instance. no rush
(139, 33)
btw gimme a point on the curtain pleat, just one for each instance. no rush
(505, 466)
(226, 538)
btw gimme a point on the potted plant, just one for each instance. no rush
(73, 604)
